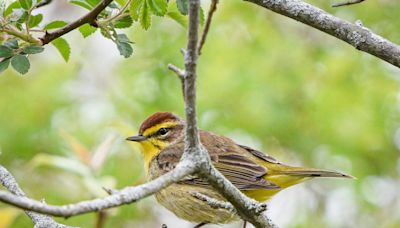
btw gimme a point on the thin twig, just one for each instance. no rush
(359, 37)
(43, 3)
(90, 18)
(211, 11)
(179, 72)
(347, 3)
(124, 196)
(40, 221)
(214, 203)
(101, 219)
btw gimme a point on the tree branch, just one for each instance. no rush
(247, 208)
(40, 221)
(124, 196)
(90, 18)
(214, 203)
(359, 37)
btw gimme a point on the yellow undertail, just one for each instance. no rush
(286, 176)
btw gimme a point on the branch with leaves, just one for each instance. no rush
(22, 33)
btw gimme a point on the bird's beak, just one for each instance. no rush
(137, 138)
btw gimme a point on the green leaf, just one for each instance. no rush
(123, 38)
(175, 15)
(145, 19)
(63, 47)
(20, 63)
(22, 15)
(34, 49)
(93, 2)
(34, 20)
(122, 2)
(124, 22)
(26, 4)
(11, 7)
(182, 6)
(134, 9)
(87, 30)
(5, 52)
(4, 65)
(54, 25)
(201, 16)
(158, 7)
(125, 49)
(82, 3)
(12, 43)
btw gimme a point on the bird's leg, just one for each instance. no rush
(244, 223)
(200, 225)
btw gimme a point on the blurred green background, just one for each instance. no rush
(264, 80)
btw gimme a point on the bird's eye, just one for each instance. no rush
(163, 131)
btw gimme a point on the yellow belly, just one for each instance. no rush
(177, 199)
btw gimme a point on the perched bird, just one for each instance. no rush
(256, 174)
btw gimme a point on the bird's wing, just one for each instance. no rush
(260, 155)
(241, 171)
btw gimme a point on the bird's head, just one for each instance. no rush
(157, 132)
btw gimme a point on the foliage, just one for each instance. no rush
(21, 23)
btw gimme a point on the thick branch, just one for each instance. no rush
(40, 221)
(90, 18)
(359, 37)
(192, 140)
(248, 209)
(121, 197)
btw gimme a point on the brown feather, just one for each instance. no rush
(227, 157)
(157, 118)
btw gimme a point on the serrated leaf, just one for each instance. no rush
(63, 47)
(54, 25)
(158, 7)
(93, 2)
(183, 6)
(4, 65)
(201, 16)
(87, 30)
(125, 49)
(145, 18)
(175, 15)
(121, 2)
(134, 9)
(20, 63)
(12, 43)
(21, 15)
(34, 20)
(26, 4)
(5, 51)
(11, 7)
(34, 49)
(124, 22)
(123, 38)
(82, 3)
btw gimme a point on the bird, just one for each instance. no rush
(256, 174)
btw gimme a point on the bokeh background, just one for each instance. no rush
(264, 80)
